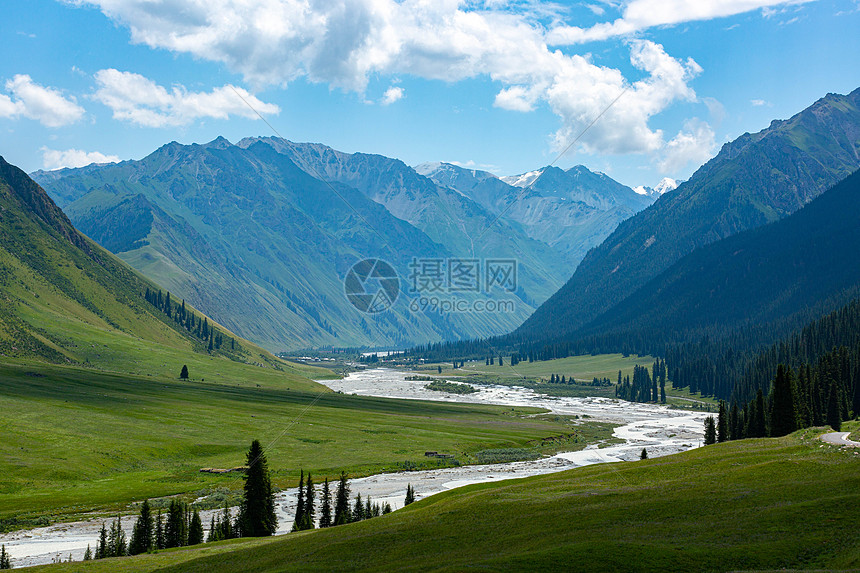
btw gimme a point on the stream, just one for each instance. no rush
(660, 430)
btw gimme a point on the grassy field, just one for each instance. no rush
(76, 440)
(764, 504)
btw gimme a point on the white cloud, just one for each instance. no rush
(391, 95)
(643, 14)
(584, 91)
(137, 99)
(343, 44)
(56, 159)
(46, 105)
(759, 102)
(694, 144)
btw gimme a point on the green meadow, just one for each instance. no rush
(767, 504)
(78, 440)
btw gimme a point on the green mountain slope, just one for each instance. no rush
(68, 301)
(768, 274)
(756, 179)
(263, 247)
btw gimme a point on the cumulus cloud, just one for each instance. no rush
(56, 159)
(46, 105)
(391, 95)
(343, 44)
(643, 14)
(694, 144)
(137, 99)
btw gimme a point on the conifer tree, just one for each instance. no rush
(257, 511)
(5, 560)
(160, 541)
(410, 495)
(309, 517)
(358, 509)
(368, 508)
(300, 505)
(734, 422)
(183, 374)
(102, 544)
(341, 504)
(722, 423)
(784, 414)
(644, 454)
(142, 535)
(117, 546)
(213, 531)
(386, 508)
(834, 417)
(325, 508)
(760, 415)
(710, 431)
(88, 554)
(175, 532)
(195, 529)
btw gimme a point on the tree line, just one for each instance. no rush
(826, 393)
(187, 319)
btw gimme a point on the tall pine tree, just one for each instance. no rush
(341, 503)
(143, 534)
(257, 511)
(300, 505)
(325, 506)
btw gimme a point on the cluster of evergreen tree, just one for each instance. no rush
(643, 387)
(337, 513)
(187, 319)
(824, 393)
(182, 527)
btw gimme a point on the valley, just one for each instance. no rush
(393, 285)
(592, 421)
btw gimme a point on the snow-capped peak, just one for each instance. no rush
(523, 180)
(665, 184)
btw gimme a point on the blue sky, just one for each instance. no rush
(503, 86)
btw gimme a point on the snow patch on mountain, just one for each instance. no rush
(523, 180)
(666, 184)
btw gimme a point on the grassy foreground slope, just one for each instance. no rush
(752, 504)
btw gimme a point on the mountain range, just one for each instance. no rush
(571, 211)
(754, 180)
(262, 234)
